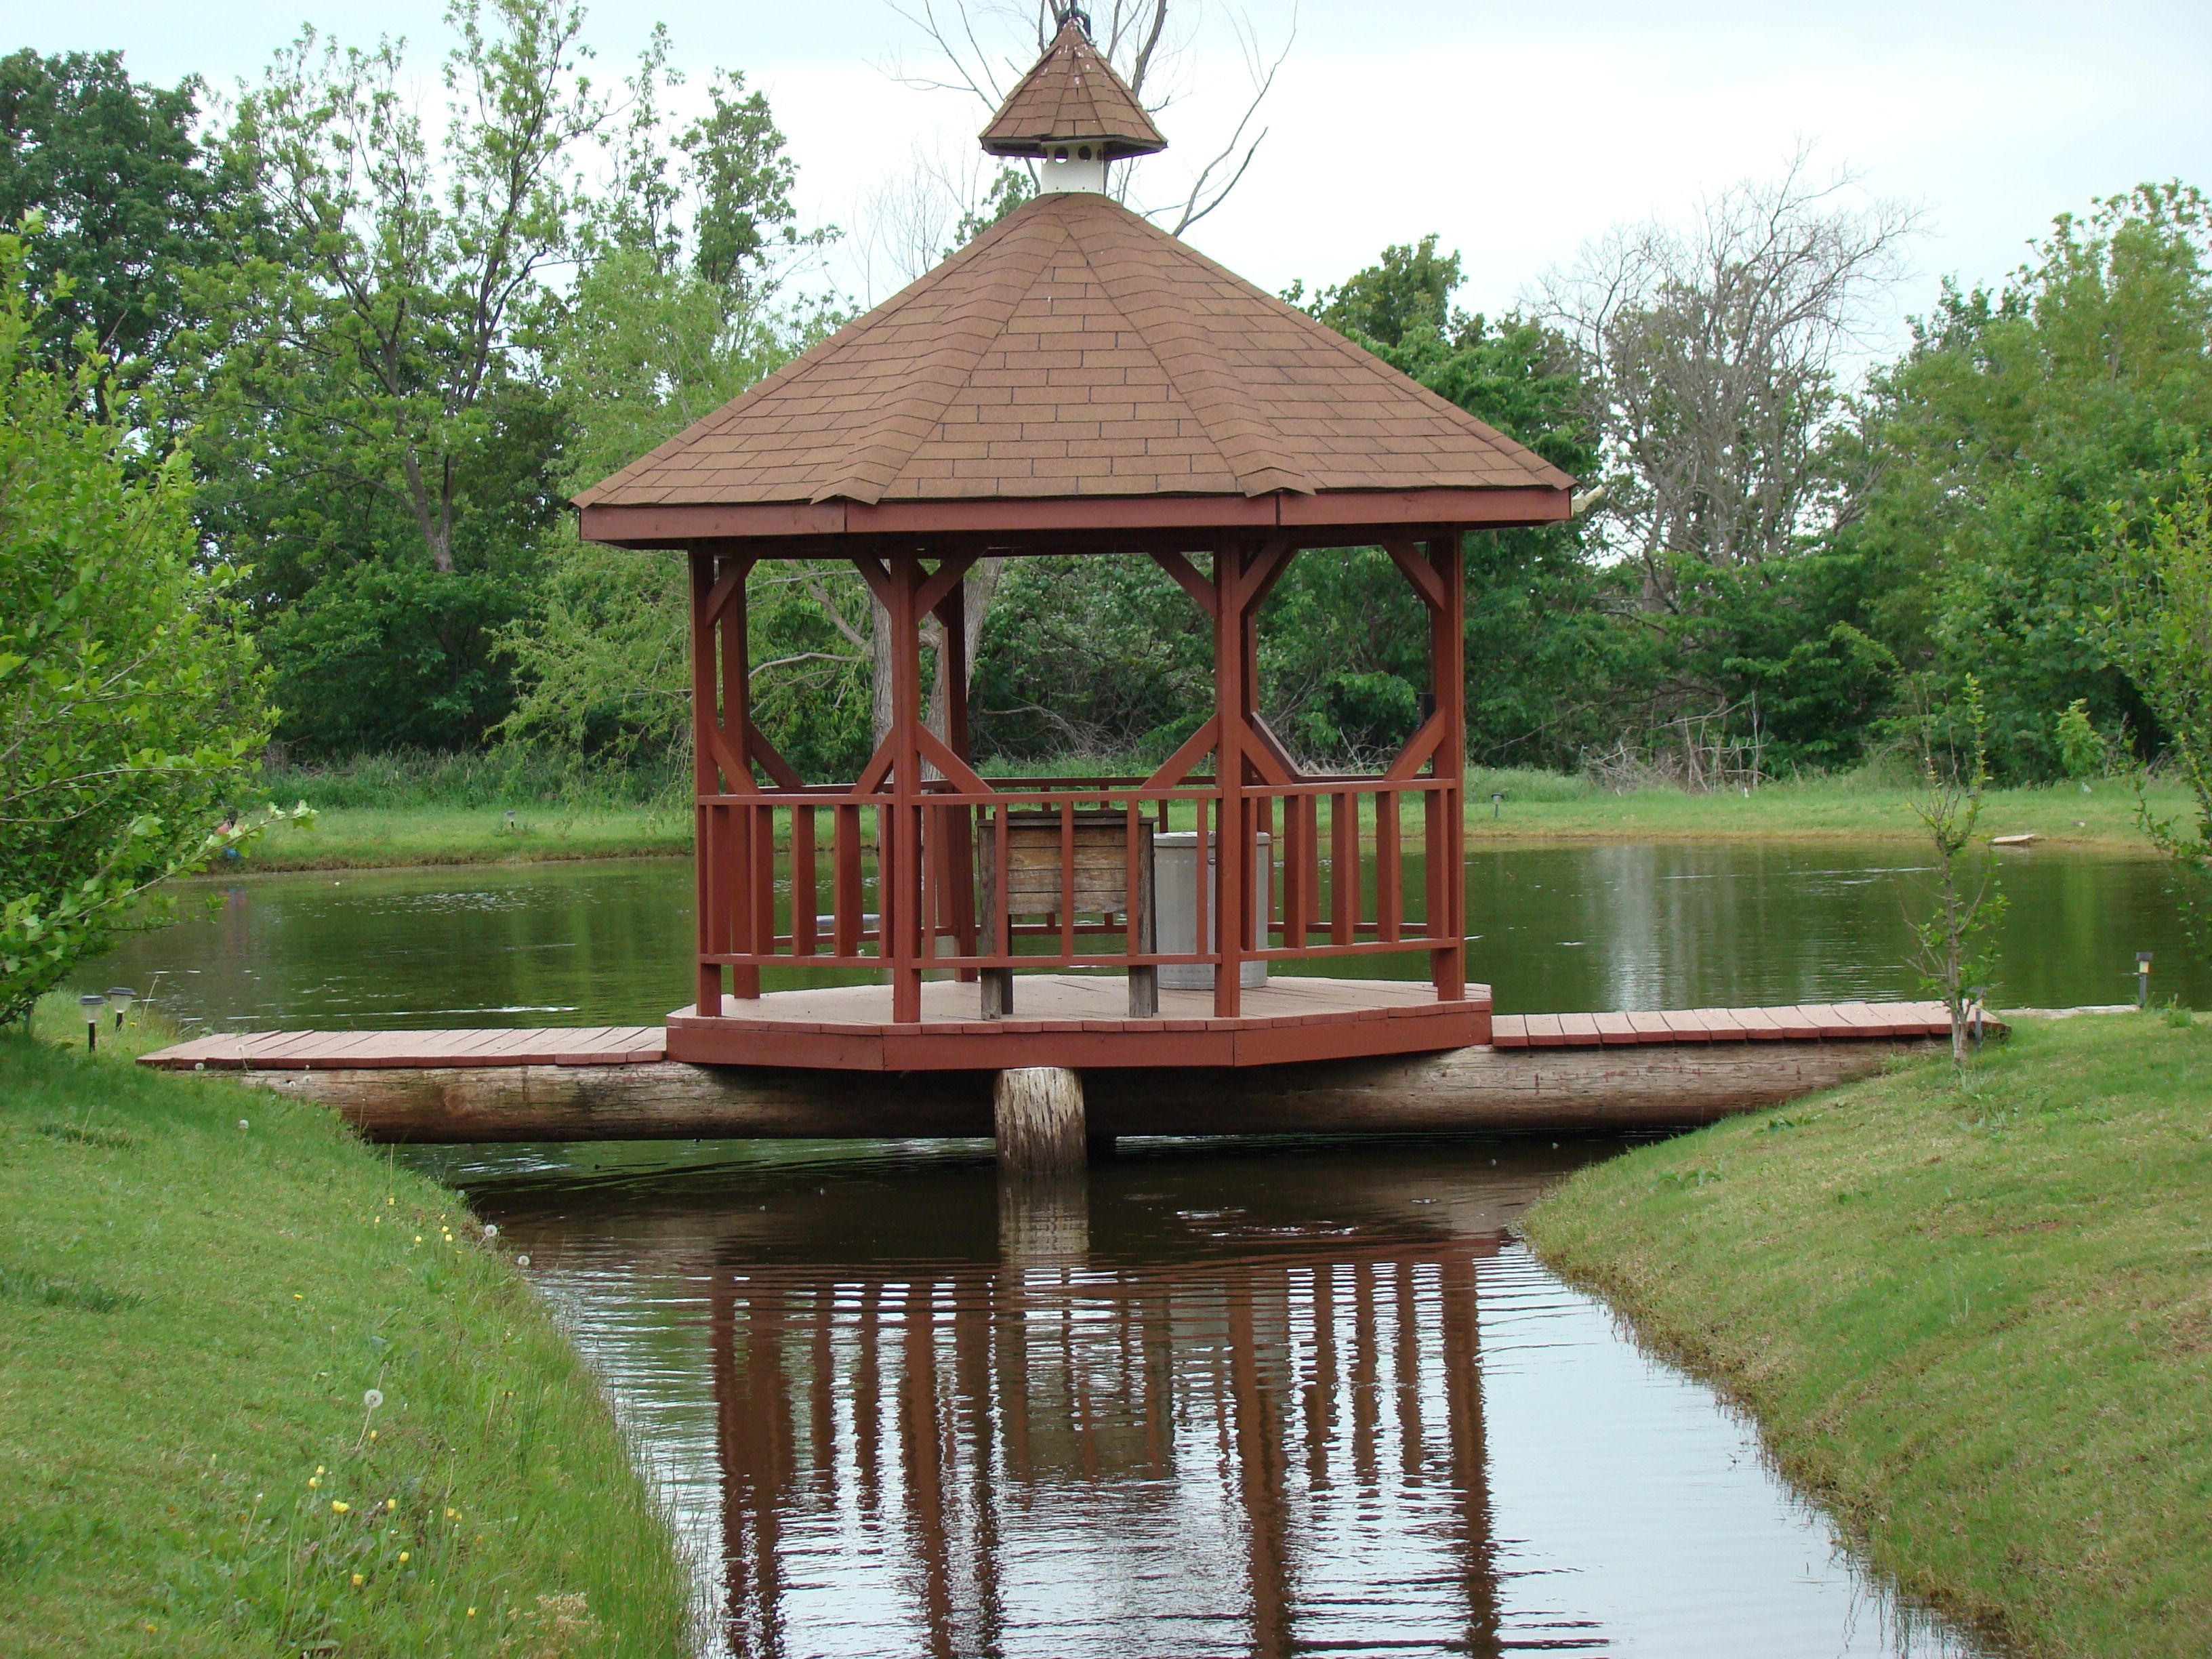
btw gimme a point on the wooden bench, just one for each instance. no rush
(1098, 884)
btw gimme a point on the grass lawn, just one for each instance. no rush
(1976, 1322)
(376, 837)
(199, 1285)
(1537, 806)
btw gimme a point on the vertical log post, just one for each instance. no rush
(1038, 1120)
(957, 897)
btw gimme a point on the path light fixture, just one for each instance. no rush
(1497, 805)
(120, 997)
(91, 1002)
(2142, 979)
(1975, 995)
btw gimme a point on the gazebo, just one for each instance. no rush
(1074, 381)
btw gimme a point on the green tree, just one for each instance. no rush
(126, 197)
(132, 705)
(689, 291)
(2161, 629)
(371, 417)
(2019, 423)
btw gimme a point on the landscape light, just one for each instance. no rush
(122, 996)
(2142, 979)
(91, 1002)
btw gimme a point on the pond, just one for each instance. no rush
(1269, 1397)
(1554, 928)
(1272, 1399)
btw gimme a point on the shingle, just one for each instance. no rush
(1076, 329)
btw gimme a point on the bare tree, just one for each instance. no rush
(1713, 351)
(983, 47)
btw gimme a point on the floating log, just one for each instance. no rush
(1646, 1086)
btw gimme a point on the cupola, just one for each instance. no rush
(1071, 115)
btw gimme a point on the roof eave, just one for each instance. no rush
(1351, 512)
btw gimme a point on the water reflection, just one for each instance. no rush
(1210, 1402)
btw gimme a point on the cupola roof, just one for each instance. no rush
(1071, 98)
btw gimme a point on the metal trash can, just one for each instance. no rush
(1175, 888)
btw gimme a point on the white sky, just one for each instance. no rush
(1515, 132)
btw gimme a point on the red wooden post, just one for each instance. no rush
(752, 843)
(957, 830)
(710, 917)
(1447, 667)
(904, 924)
(845, 899)
(1234, 838)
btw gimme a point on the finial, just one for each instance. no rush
(1063, 15)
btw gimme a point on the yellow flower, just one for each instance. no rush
(314, 1481)
(472, 1613)
(339, 1506)
(319, 1469)
(372, 1434)
(357, 1581)
(403, 1557)
(452, 1514)
(296, 1296)
(392, 1503)
(418, 1238)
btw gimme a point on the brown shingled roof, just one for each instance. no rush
(1070, 96)
(1076, 350)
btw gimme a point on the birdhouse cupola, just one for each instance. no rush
(1071, 115)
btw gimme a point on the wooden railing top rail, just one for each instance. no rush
(942, 792)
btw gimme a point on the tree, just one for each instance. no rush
(1954, 954)
(2021, 421)
(126, 197)
(689, 291)
(131, 706)
(1711, 353)
(2161, 628)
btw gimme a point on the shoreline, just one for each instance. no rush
(1971, 1323)
(420, 836)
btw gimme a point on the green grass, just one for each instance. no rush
(199, 1284)
(1976, 1322)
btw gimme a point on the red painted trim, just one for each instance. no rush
(674, 525)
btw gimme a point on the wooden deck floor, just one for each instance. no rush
(1289, 1000)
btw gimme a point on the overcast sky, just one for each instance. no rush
(1516, 132)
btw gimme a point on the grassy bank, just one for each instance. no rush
(384, 811)
(199, 1285)
(1978, 1323)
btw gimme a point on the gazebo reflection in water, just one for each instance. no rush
(1275, 1443)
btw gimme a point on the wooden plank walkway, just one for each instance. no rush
(646, 1045)
(1826, 1022)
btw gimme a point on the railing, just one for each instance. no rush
(814, 877)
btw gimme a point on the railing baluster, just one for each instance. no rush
(845, 899)
(1312, 840)
(1389, 890)
(1435, 872)
(1067, 876)
(1344, 866)
(802, 880)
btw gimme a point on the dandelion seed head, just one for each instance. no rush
(244, 1124)
(372, 1399)
(491, 1230)
(522, 1261)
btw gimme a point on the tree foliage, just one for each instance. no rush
(132, 705)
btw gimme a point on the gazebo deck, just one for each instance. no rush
(1080, 1020)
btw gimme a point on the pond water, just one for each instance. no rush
(1554, 928)
(1216, 1399)
(1266, 1397)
